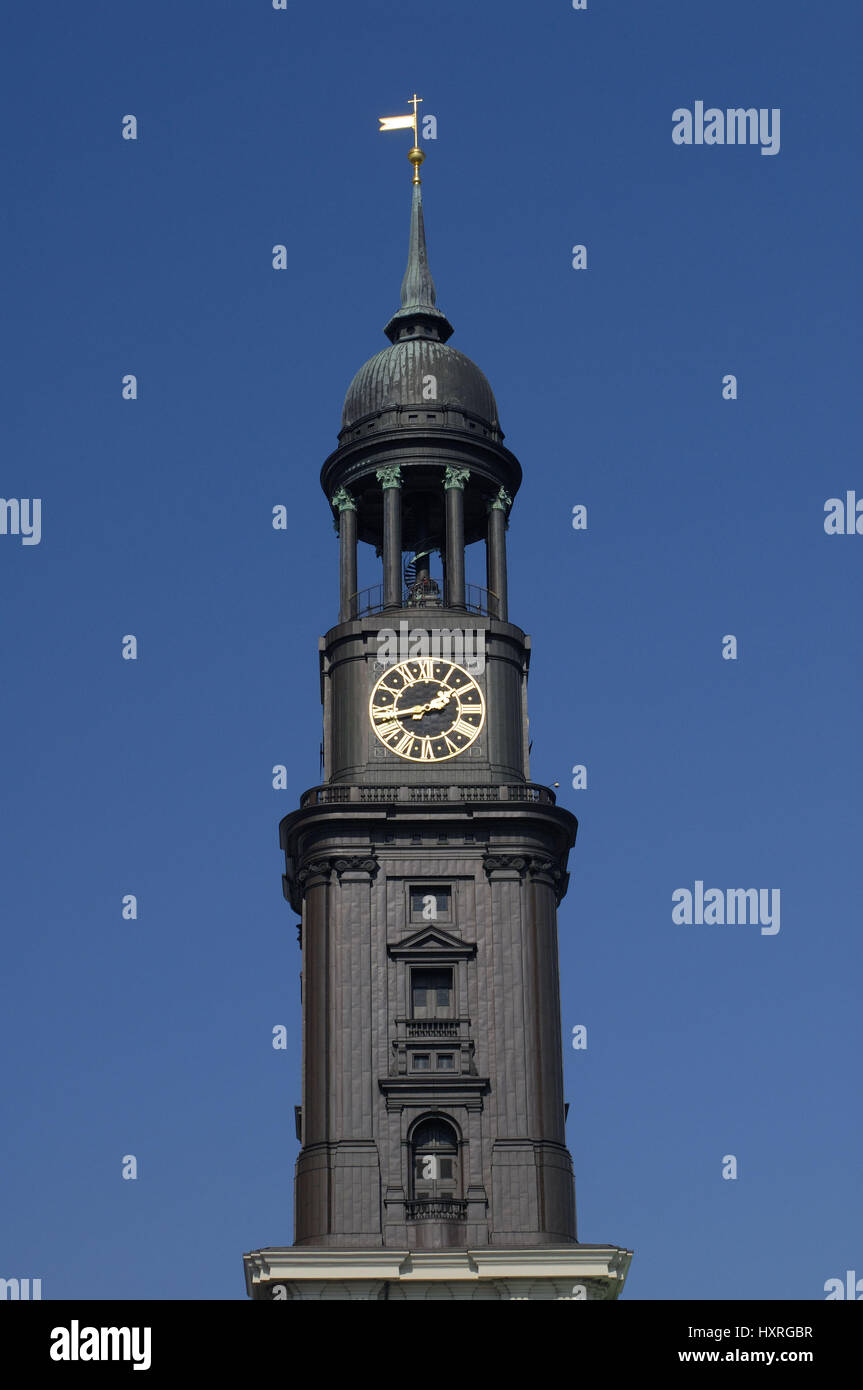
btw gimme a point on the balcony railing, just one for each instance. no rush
(340, 793)
(432, 1027)
(477, 600)
(436, 1209)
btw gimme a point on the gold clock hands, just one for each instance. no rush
(439, 702)
(415, 711)
(393, 713)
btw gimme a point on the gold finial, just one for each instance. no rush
(415, 154)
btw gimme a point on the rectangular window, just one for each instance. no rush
(431, 993)
(430, 903)
(445, 1061)
(421, 1061)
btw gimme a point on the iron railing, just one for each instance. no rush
(436, 1209)
(477, 600)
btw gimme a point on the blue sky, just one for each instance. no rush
(705, 517)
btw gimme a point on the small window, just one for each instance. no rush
(435, 1162)
(421, 1061)
(431, 993)
(445, 1061)
(430, 903)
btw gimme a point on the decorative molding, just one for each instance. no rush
(441, 1091)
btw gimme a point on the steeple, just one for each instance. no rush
(427, 869)
(418, 316)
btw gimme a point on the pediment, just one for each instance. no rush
(432, 942)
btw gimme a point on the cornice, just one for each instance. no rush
(418, 447)
(602, 1269)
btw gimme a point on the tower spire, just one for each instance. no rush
(418, 315)
(418, 291)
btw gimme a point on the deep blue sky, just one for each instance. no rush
(705, 518)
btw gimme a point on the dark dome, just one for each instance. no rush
(394, 377)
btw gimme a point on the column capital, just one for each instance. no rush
(455, 477)
(551, 872)
(343, 500)
(501, 502)
(391, 476)
(509, 864)
(322, 869)
(366, 864)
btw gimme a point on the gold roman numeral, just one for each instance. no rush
(462, 727)
(387, 730)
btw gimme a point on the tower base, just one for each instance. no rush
(560, 1273)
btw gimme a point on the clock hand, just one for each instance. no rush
(417, 711)
(393, 713)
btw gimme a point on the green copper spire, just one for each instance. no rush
(418, 316)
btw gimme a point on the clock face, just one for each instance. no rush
(427, 710)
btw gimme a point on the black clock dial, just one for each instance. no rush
(427, 710)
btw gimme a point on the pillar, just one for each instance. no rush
(390, 480)
(347, 508)
(454, 481)
(496, 553)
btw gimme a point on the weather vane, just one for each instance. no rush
(415, 154)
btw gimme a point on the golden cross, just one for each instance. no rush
(414, 99)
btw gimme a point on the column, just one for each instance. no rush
(496, 553)
(347, 509)
(390, 480)
(454, 481)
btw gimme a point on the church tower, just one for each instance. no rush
(427, 869)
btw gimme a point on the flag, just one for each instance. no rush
(396, 122)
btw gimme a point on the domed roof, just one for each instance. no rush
(395, 377)
(398, 376)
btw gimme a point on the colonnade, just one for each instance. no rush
(454, 482)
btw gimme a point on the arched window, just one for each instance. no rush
(434, 1155)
